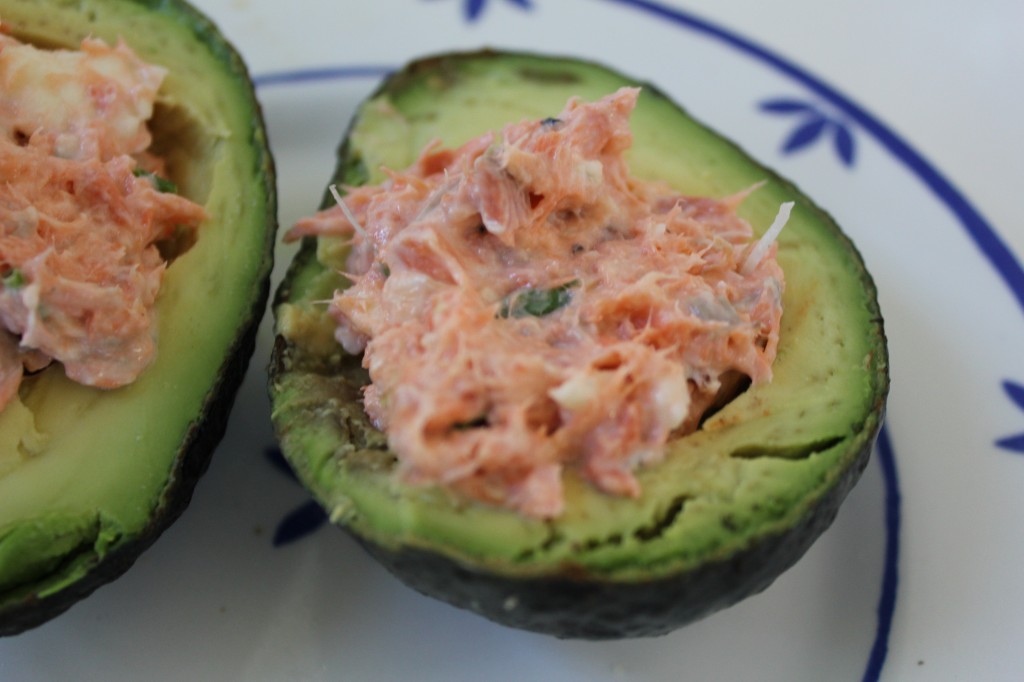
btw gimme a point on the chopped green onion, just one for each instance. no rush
(477, 423)
(537, 302)
(14, 279)
(161, 184)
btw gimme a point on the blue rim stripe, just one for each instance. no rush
(890, 572)
(314, 75)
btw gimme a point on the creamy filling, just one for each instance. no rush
(524, 305)
(82, 213)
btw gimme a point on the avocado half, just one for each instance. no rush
(90, 478)
(731, 506)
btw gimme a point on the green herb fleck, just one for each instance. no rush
(14, 279)
(355, 174)
(161, 184)
(537, 302)
(477, 423)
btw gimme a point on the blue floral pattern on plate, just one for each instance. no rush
(473, 9)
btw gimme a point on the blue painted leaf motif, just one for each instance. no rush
(1015, 391)
(473, 8)
(1015, 443)
(299, 523)
(812, 123)
(805, 134)
(785, 105)
(844, 144)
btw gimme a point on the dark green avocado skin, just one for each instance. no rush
(207, 430)
(573, 601)
(577, 606)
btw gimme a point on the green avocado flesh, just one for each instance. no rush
(89, 478)
(730, 507)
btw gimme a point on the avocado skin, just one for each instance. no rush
(575, 605)
(206, 431)
(570, 600)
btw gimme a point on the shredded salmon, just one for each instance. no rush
(80, 216)
(523, 306)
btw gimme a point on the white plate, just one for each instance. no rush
(917, 578)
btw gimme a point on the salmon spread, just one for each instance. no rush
(525, 307)
(84, 209)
